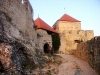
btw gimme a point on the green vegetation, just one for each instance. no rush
(39, 55)
(55, 41)
(49, 55)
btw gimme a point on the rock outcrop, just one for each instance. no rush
(19, 49)
(18, 38)
(90, 52)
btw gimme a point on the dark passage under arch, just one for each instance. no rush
(46, 48)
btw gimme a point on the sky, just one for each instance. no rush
(86, 11)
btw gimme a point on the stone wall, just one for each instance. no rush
(62, 47)
(67, 25)
(43, 38)
(72, 37)
(90, 52)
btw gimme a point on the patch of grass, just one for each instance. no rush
(49, 55)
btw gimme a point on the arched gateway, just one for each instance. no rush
(47, 48)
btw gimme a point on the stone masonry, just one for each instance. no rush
(70, 35)
(43, 38)
(89, 51)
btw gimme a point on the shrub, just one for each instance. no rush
(55, 41)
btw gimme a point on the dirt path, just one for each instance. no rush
(74, 66)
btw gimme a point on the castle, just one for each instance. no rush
(70, 33)
(69, 30)
(22, 39)
(44, 32)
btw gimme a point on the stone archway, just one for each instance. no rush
(47, 48)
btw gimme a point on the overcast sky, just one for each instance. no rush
(87, 11)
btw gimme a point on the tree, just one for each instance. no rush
(55, 41)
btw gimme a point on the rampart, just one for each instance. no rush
(70, 39)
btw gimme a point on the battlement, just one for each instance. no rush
(79, 34)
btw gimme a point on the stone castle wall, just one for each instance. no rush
(62, 47)
(89, 51)
(43, 38)
(71, 34)
(67, 25)
(72, 38)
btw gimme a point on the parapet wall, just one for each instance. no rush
(70, 39)
(83, 35)
(90, 52)
(89, 34)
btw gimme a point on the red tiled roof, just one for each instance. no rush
(42, 25)
(66, 17)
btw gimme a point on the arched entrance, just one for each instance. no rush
(47, 48)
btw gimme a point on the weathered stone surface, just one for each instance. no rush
(72, 35)
(16, 21)
(14, 58)
(90, 52)
(61, 26)
(5, 55)
(43, 38)
(18, 37)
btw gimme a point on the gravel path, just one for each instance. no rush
(74, 66)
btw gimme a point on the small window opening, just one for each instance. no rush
(47, 48)
(77, 41)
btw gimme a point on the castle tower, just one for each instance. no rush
(71, 34)
(67, 22)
